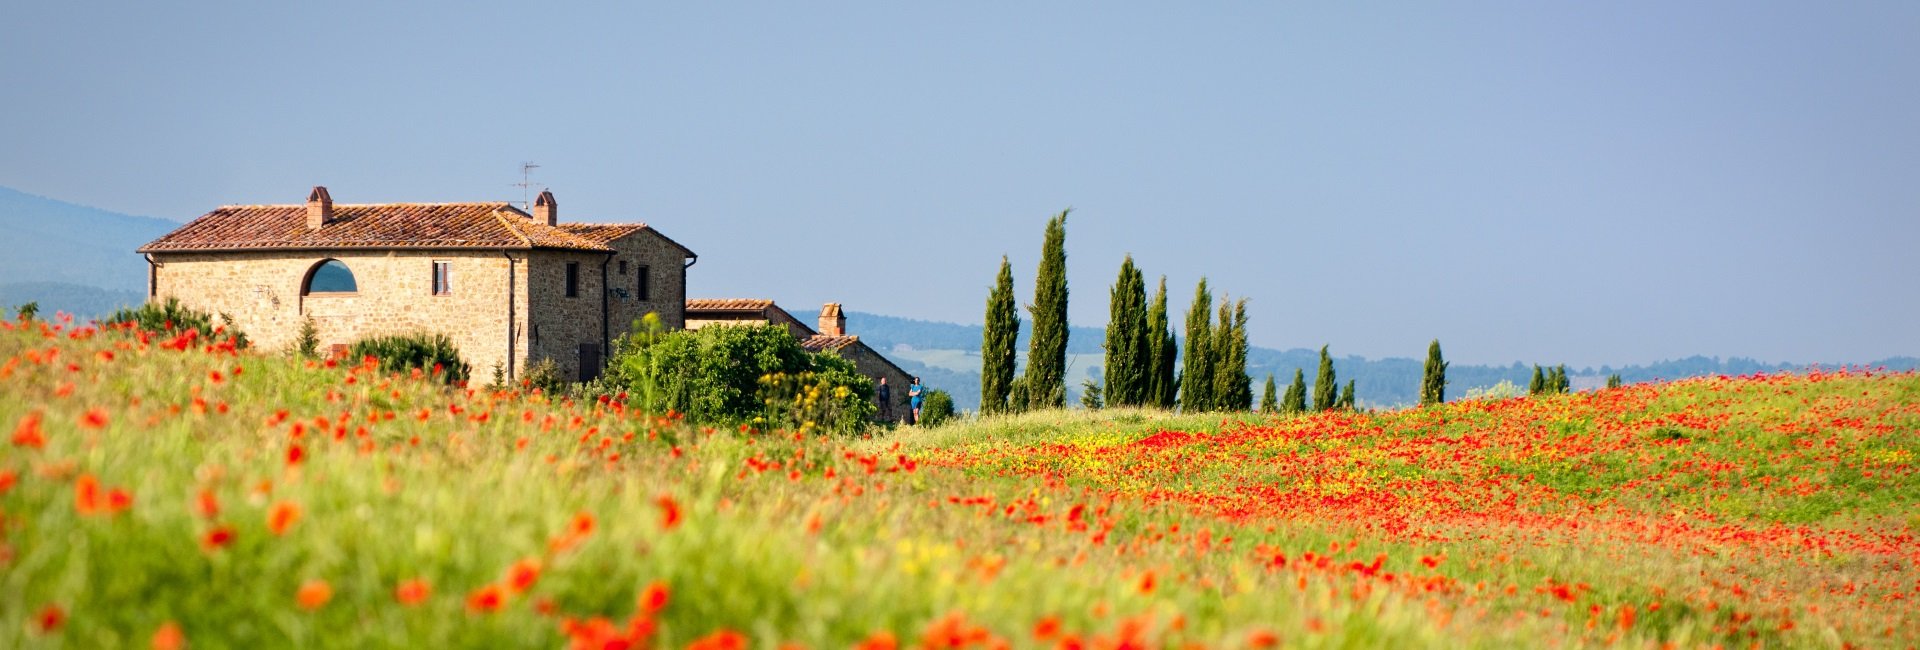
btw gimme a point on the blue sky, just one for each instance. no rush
(1555, 182)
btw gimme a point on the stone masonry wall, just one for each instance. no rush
(871, 364)
(560, 325)
(666, 277)
(262, 292)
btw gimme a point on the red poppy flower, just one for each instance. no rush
(50, 618)
(522, 575)
(95, 418)
(669, 512)
(412, 592)
(28, 432)
(282, 516)
(653, 598)
(1047, 628)
(487, 599)
(217, 538)
(169, 637)
(87, 498)
(314, 594)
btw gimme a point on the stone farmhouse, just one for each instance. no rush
(831, 336)
(508, 287)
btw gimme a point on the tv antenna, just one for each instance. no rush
(525, 184)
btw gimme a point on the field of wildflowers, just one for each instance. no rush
(168, 491)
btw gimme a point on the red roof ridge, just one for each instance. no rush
(510, 226)
(372, 205)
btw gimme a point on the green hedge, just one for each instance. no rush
(171, 316)
(754, 375)
(404, 352)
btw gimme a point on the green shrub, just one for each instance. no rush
(171, 316)
(738, 375)
(306, 344)
(936, 408)
(432, 353)
(544, 375)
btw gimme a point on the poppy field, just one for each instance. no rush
(164, 490)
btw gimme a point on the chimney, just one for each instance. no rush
(832, 321)
(319, 208)
(545, 209)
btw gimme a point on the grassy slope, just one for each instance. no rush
(825, 543)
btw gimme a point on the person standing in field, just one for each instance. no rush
(885, 395)
(914, 395)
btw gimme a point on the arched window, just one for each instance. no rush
(329, 276)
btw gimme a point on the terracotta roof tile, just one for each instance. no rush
(822, 342)
(727, 304)
(385, 225)
(605, 233)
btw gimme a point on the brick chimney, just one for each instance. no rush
(319, 208)
(832, 321)
(545, 209)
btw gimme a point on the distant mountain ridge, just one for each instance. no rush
(71, 257)
(947, 355)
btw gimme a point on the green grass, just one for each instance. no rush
(826, 542)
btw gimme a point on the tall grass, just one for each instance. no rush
(1027, 531)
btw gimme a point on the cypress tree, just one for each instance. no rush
(1196, 367)
(1325, 390)
(1232, 388)
(1539, 383)
(1128, 367)
(1047, 355)
(1433, 389)
(1346, 398)
(1296, 400)
(997, 343)
(1269, 398)
(1560, 382)
(1162, 386)
(1221, 349)
(1613, 380)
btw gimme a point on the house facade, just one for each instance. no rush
(509, 288)
(830, 337)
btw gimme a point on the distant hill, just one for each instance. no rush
(82, 301)
(71, 257)
(947, 356)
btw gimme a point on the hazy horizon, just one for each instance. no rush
(1593, 185)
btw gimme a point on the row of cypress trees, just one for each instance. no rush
(1141, 350)
(1552, 382)
(1044, 384)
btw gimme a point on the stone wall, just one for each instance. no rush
(666, 269)
(560, 325)
(874, 366)
(262, 292)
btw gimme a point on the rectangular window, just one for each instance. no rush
(440, 276)
(642, 289)
(623, 267)
(573, 279)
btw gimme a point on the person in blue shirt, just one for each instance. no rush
(914, 395)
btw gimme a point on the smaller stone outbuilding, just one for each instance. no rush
(831, 336)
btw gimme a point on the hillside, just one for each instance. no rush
(71, 257)
(162, 490)
(947, 356)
